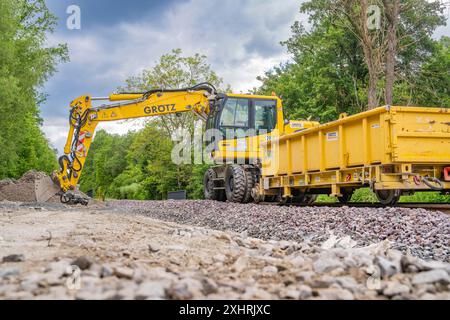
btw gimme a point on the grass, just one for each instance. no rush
(365, 195)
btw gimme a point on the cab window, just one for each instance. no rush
(265, 116)
(234, 121)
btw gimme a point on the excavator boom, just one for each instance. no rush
(84, 118)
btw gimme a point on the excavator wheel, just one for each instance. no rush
(250, 183)
(208, 187)
(235, 183)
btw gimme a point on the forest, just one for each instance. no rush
(338, 65)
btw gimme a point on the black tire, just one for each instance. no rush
(346, 196)
(208, 186)
(249, 184)
(388, 197)
(235, 183)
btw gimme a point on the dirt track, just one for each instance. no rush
(128, 256)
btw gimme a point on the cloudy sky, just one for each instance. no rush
(121, 38)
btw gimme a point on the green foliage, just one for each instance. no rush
(365, 195)
(138, 166)
(431, 86)
(25, 65)
(106, 160)
(174, 71)
(433, 197)
(326, 199)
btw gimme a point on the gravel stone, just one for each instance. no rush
(326, 264)
(152, 290)
(299, 253)
(240, 264)
(153, 248)
(387, 268)
(433, 276)
(7, 273)
(304, 292)
(395, 288)
(270, 270)
(123, 272)
(335, 294)
(14, 258)
(82, 262)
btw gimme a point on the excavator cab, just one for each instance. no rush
(244, 122)
(240, 122)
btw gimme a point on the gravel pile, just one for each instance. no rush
(422, 233)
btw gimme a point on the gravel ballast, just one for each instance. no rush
(423, 233)
(97, 254)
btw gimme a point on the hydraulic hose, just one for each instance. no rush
(201, 86)
(429, 182)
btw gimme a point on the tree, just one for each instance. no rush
(431, 85)
(25, 65)
(392, 10)
(107, 159)
(326, 77)
(174, 71)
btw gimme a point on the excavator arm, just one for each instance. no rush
(84, 118)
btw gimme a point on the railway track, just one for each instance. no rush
(443, 207)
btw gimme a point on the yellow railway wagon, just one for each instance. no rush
(393, 150)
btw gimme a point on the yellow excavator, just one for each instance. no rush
(244, 122)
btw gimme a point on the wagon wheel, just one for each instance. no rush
(310, 198)
(270, 198)
(304, 199)
(388, 197)
(346, 196)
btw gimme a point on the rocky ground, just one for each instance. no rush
(424, 233)
(120, 251)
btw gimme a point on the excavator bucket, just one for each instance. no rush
(45, 189)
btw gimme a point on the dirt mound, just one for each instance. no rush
(22, 190)
(32, 176)
(33, 186)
